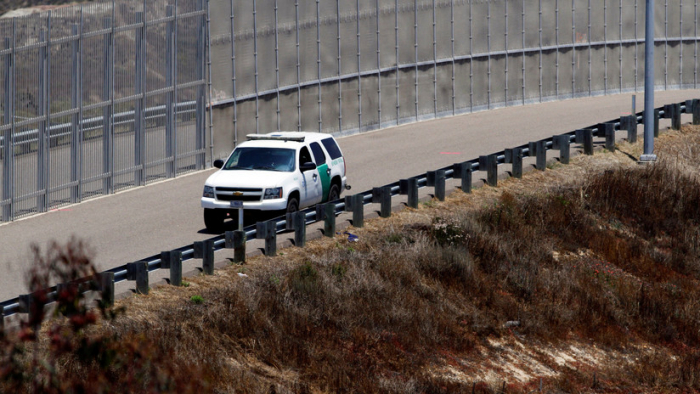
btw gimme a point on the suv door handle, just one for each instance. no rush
(328, 171)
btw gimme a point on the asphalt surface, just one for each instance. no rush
(141, 222)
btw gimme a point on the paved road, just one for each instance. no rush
(142, 222)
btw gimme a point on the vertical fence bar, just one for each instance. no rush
(488, 57)
(605, 47)
(573, 49)
(636, 45)
(340, 68)
(452, 43)
(522, 37)
(277, 66)
(318, 65)
(108, 56)
(255, 67)
(208, 74)
(138, 108)
(415, 47)
(170, 64)
(379, 71)
(620, 54)
(590, 51)
(540, 35)
(471, 60)
(296, 10)
(9, 118)
(556, 42)
(233, 74)
(359, 72)
(396, 42)
(200, 60)
(506, 49)
(43, 129)
(75, 104)
(434, 62)
(665, 44)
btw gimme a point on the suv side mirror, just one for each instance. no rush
(218, 163)
(308, 166)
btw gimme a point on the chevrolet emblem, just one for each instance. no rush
(237, 194)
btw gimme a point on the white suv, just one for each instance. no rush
(283, 172)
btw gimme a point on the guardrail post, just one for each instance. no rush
(382, 195)
(657, 116)
(236, 240)
(607, 130)
(539, 150)
(673, 112)
(463, 171)
(356, 204)
(107, 288)
(29, 305)
(440, 185)
(268, 231)
(2, 320)
(138, 271)
(299, 223)
(329, 220)
(696, 112)
(629, 123)
(205, 250)
(489, 164)
(514, 156)
(172, 260)
(563, 143)
(585, 137)
(409, 187)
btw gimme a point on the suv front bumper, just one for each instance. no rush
(276, 204)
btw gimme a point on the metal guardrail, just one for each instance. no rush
(13, 306)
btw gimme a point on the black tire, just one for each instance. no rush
(334, 192)
(292, 205)
(214, 220)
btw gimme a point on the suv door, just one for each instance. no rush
(324, 172)
(310, 183)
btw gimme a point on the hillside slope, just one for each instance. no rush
(583, 278)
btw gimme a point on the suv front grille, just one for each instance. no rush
(238, 194)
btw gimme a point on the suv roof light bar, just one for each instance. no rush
(259, 137)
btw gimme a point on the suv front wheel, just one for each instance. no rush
(214, 220)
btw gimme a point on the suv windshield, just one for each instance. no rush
(268, 159)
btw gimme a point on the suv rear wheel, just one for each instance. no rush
(214, 220)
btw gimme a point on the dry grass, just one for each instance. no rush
(580, 279)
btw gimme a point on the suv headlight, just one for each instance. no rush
(273, 193)
(208, 192)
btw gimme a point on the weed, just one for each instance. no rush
(185, 284)
(197, 299)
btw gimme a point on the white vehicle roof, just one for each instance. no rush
(283, 139)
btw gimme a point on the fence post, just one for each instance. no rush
(382, 195)
(563, 143)
(173, 260)
(629, 123)
(409, 187)
(138, 271)
(107, 109)
(75, 104)
(463, 171)
(43, 126)
(267, 231)
(329, 220)
(170, 70)
(107, 288)
(696, 112)
(8, 119)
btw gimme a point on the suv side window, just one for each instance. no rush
(318, 153)
(332, 148)
(304, 156)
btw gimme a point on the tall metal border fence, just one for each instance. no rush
(342, 66)
(99, 98)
